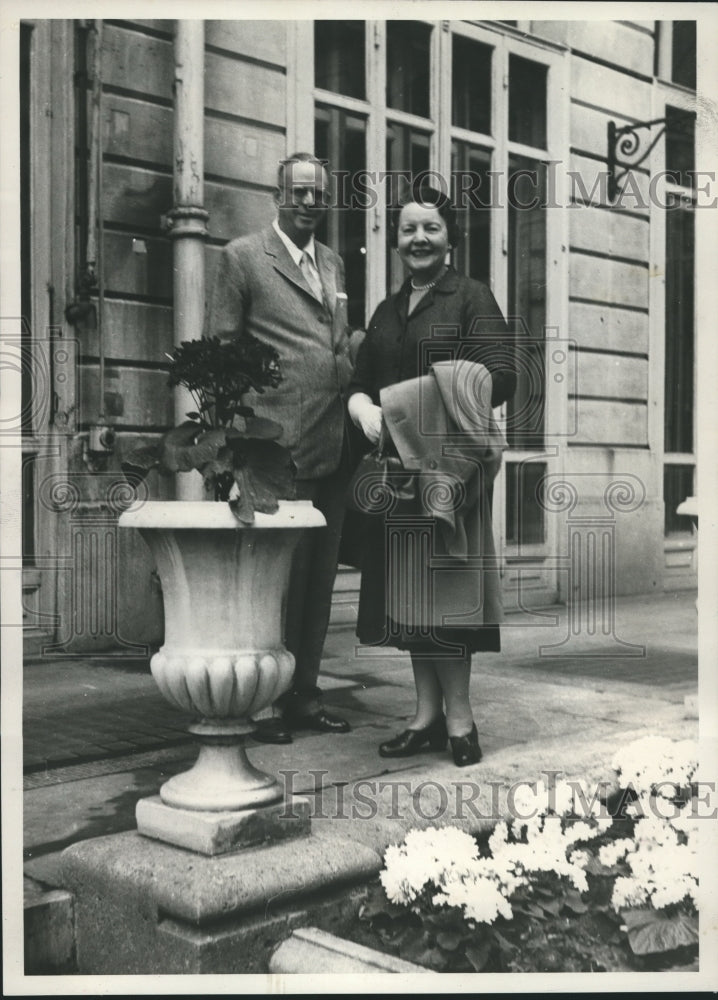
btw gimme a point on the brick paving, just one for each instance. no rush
(92, 708)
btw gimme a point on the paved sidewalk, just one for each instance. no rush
(98, 736)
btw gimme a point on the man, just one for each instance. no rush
(287, 289)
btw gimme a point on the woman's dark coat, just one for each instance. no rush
(457, 320)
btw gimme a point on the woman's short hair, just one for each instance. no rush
(429, 197)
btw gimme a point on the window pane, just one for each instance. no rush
(527, 102)
(471, 85)
(28, 510)
(677, 485)
(683, 61)
(25, 229)
(680, 144)
(407, 154)
(407, 66)
(527, 298)
(340, 138)
(678, 411)
(471, 193)
(339, 57)
(524, 506)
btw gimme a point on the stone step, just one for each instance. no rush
(345, 599)
(310, 950)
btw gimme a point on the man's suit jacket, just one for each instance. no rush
(259, 290)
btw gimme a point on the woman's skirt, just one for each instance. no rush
(377, 627)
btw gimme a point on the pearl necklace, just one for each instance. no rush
(427, 286)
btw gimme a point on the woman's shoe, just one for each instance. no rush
(466, 749)
(412, 741)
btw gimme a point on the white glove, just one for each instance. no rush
(366, 415)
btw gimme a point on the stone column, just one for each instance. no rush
(188, 218)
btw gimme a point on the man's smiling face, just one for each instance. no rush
(301, 201)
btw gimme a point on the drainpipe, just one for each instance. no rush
(188, 219)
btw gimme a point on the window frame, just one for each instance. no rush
(665, 94)
(505, 41)
(664, 54)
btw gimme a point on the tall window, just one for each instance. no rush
(339, 57)
(340, 138)
(679, 466)
(29, 449)
(675, 59)
(503, 177)
(471, 151)
(408, 67)
(472, 104)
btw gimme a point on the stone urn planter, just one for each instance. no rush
(224, 586)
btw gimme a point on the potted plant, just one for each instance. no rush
(224, 566)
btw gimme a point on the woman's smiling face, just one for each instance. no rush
(422, 241)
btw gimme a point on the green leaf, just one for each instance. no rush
(552, 906)
(416, 948)
(478, 954)
(594, 867)
(531, 910)
(651, 931)
(241, 506)
(377, 903)
(264, 474)
(574, 902)
(542, 890)
(189, 447)
(450, 939)
(260, 428)
(504, 942)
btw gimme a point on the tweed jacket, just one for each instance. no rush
(259, 290)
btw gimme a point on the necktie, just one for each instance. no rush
(310, 273)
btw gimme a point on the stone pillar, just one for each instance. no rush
(188, 218)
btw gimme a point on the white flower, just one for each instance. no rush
(580, 831)
(663, 870)
(480, 897)
(686, 819)
(653, 759)
(609, 854)
(628, 892)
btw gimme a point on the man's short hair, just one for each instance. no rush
(297, 158)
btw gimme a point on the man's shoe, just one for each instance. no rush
(272, 730)
(320, 721)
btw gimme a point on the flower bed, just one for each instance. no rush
(566, 885)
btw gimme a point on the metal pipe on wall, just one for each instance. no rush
(188, 218)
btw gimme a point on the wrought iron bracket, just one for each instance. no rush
(626, 151)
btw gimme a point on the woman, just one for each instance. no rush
(435, 306)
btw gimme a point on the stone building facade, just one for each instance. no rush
(597, 273)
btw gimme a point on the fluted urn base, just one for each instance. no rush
(222, 779)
